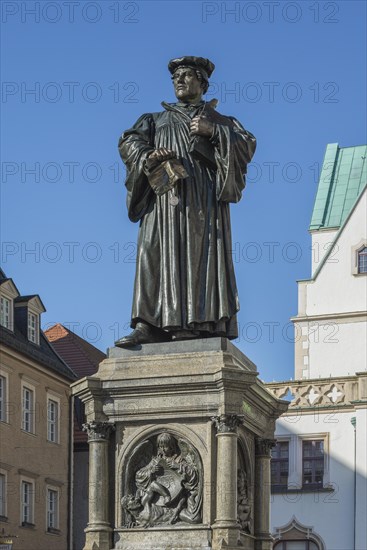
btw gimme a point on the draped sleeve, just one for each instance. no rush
(234, 148)
(134, 146)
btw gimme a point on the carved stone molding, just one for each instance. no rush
(227, 423)
(337, 392)
(98, 431)
(263, 447)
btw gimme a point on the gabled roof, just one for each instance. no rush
(29, 298)
(4, 279)
(81, 356)
(342, 179)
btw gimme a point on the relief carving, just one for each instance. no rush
(164, 484)
(243, 502)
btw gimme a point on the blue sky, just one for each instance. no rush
(292, 72)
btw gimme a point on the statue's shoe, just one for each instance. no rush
(142, 334)
(185, 335)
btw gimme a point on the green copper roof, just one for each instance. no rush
(342, 179)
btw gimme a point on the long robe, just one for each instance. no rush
(184, 270)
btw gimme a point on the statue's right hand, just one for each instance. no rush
(162, 154)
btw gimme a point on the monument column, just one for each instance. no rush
(262, 493)
(98, 531)
(226, 527)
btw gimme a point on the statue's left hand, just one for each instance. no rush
(201, 126)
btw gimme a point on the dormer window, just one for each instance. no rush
(28, 310)
(8, 293)
(33, 327)
(5, 312)
(362, 260)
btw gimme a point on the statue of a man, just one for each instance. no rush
(185, 165)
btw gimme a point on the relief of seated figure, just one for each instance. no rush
(168, 488)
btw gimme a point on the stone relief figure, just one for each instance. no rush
(167, 489)
(243, 502)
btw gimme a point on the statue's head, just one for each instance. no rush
(166, 444)
(190, 76)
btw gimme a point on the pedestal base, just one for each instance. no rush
(205, 396)
(98, 538)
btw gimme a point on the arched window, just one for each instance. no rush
(295, 536)
(295, 545)
(362, 260)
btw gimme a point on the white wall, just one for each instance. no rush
(320, 243)
(335, 346)
(336, 289)
(330, 514)
(361, 496)
(337, 349)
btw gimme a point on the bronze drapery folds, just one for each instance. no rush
(185, 284)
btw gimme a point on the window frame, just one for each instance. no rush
(362, 252)
(3, 494)
(55, 422)
(313, 459)
(33, 332)
(56, 527)
(282, 544)
(29, 522)
(6, 323)
(31, 410)
(355, 255)
(279, 460)
(4, 397)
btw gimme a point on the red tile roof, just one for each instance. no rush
(79, 355)
(82, 357)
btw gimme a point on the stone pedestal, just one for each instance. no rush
(188, 472)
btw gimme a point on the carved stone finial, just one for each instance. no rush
(227, 423)
(98, 431)
(263, 446)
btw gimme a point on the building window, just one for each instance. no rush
(2, 495)
(5, 312)
(53, 421)
(52, 509)
(27, 410)
(295, 545)
(312, 463)
(3, 399)
(362, 260)
(27, 503)
(33, 328)
(280, 465)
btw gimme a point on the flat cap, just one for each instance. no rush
(200, 63)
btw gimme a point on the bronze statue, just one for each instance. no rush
(184, 166)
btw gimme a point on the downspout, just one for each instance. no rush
(71, 473)
(353, 421)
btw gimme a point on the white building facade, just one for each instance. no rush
(319, 465)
